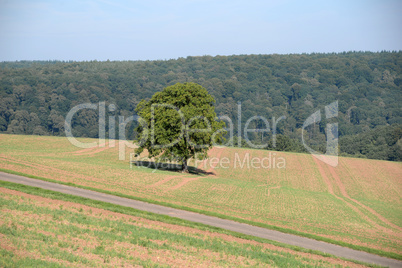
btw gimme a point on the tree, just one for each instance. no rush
(283, 143)
(19, 124)
(33, 123)
(179, 123)
(55, 122)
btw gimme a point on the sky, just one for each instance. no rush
(161, 30)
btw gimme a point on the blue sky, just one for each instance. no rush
(149, 30)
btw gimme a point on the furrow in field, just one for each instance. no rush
(104, 181)
(268, 190)
(91, 149)
(345, 194)
(42, 235)
(217, 154)
(183, 182)
(47, 168)
(97, 149)
(356, 209)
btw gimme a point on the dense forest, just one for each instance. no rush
(35, 96)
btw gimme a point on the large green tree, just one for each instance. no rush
(179, 123)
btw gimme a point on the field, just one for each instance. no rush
(39, 231)
(357, 203)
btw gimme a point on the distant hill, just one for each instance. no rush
(35, 96)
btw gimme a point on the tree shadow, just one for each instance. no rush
(170, 167)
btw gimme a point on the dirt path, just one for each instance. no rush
(212, 221)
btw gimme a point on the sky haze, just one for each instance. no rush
(150, 30)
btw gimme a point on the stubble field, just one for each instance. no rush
(358, 203)
(39, 231)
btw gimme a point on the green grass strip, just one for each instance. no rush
(214, 214)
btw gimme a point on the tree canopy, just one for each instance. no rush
(179, 123)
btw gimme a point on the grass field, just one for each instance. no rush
(36, 230)
(357, 203)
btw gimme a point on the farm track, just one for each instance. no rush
(213, 221)
(342, 189)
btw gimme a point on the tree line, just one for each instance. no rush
(35, 96)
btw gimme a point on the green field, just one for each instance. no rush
(36, 230)
(357, 204)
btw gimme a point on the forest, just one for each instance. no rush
(36, 96)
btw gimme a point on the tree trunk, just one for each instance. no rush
(184, 167)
